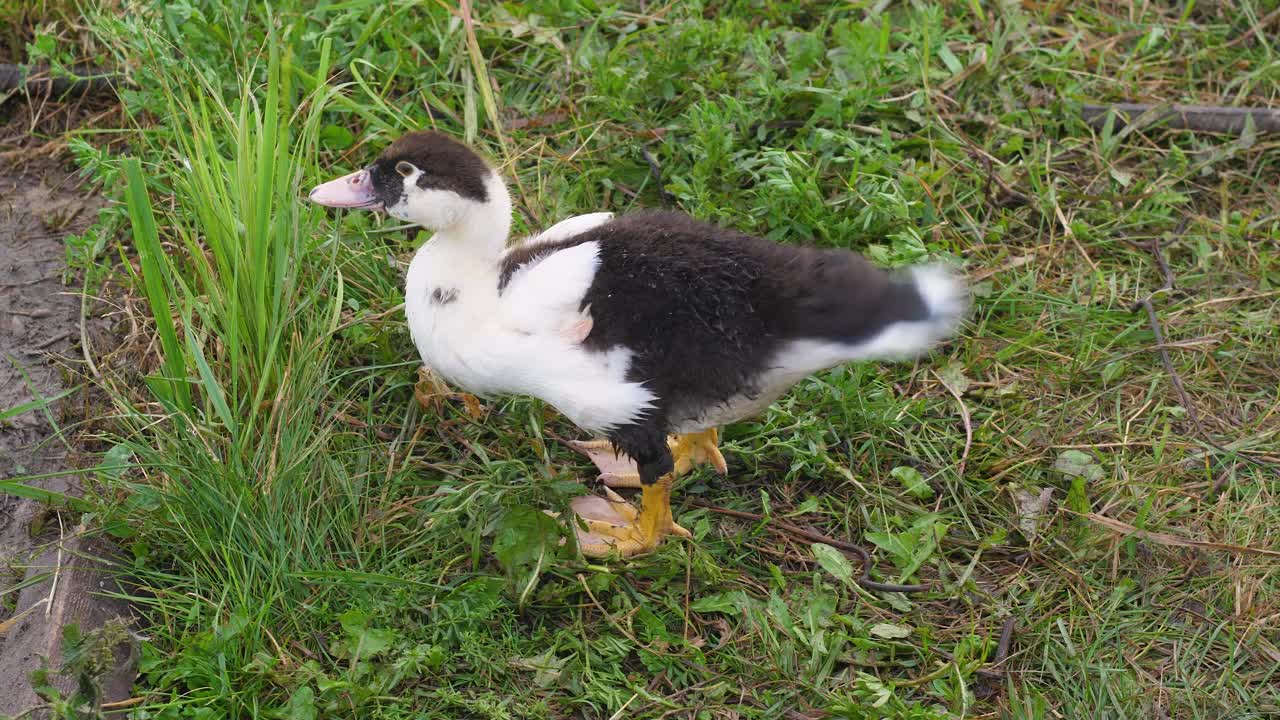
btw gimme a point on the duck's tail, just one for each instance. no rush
(853, 310)
(920, 308)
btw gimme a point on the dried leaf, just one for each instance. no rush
(953, 376)
(1031, 510)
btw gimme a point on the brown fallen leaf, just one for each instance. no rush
(1160, 538)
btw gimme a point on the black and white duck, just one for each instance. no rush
(650, 330)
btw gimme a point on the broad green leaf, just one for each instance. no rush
(1074, 463)
(115, 461)
(912, 481)
(730, 603)
(889, 631)
(336, 137)
(1113, 370)
(834, 562)
(364, 640)
(901, 546)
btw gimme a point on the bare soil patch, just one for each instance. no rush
(50, 571)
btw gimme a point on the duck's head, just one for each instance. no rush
(428, 179)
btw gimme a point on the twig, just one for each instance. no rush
(1066, 229)
(1202, 118)
(28, 282)
(656, 171)
(1169, 282)
(126, 703)
(57, 569)
(1165, 360)
(52, 341)
(993, 673)
(784, 527)
(39, 80)
(583, 581)
(1174, 378)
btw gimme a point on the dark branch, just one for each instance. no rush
(39, 80)
(1203, 118)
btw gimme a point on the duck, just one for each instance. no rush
(649, 330)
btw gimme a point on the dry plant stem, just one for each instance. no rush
(1165, 360)
(786, 528)
(85, 350)
(1262, 23)
(968, 423)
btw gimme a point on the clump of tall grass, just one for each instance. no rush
(232, 490)
(239, 297)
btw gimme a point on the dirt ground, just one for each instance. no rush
(48, 568)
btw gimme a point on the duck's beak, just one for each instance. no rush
(349, 191)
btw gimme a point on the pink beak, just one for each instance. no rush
(349, 191)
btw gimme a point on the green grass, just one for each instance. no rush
(306, 542)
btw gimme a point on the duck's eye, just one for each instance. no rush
(405, 169)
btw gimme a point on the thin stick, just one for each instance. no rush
(57, 570)
(1066, 229)
(1157, 251)
(607, 616)
(1165, 360)
(1176, 380)
(784, 527)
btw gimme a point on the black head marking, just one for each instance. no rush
(446, 164)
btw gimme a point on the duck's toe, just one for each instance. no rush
(616, 470)
(611, 525)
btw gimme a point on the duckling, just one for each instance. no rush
(650, 330)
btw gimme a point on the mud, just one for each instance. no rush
(48, 568)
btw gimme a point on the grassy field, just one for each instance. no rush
(307, 542)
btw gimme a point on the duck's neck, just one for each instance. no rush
(481, 234)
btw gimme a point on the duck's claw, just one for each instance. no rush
(616, 470)
(619, 471)
(607, 525)
(700, 448)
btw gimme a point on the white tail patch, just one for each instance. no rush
(945, 294)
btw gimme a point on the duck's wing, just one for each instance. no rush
(541, 289)
(569, 227)
(544, 279)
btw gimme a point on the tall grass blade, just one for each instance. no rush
(156, 269)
